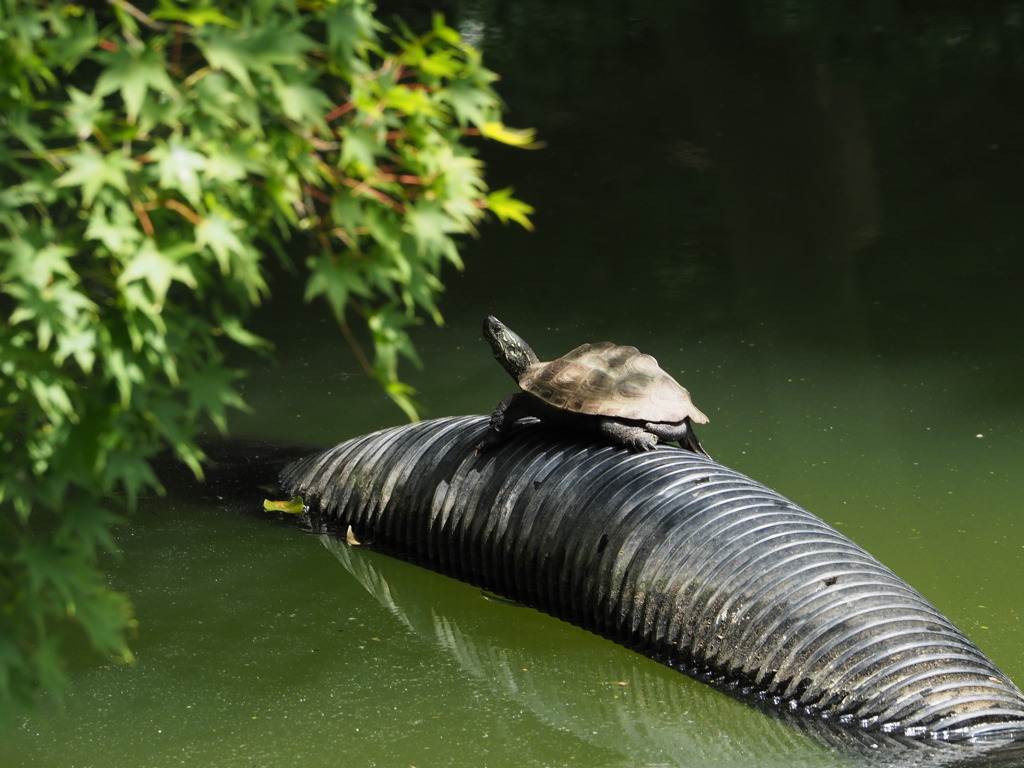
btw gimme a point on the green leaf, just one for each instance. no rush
(402, 396)
(221, 236)
(83, 112)
(351, 34)
(20, 127)
(472, 104)
(133, 71)
(171, 420)
(218, 101)
(53, 399)
(446, 33)
(115, 226)
(359, 147)
(127, 471)
(334, 279)
(443, 64)
(125, 373)
(80, 344)
(232, 327)
(38, 267)
(193, 16)
(508, 208)
(92, 170)
(391, 341)
(223, 51)
(211, 391)
(431, 228)
(301, 102)
(410, 101)
(51, 310)
(254, 50)
(179, 167)
(158, 269)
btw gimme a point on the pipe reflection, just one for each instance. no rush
(619, 701)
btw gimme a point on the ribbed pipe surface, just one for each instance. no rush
(673, 555)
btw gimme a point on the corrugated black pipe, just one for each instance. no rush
(671, 554)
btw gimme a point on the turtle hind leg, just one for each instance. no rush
(691, 443)
(634, 437)
(682, 433)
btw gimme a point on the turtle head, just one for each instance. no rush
(514, 354)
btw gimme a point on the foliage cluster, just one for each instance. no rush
(149, 163)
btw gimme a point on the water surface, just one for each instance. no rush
(812, 221)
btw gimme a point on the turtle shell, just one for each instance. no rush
(607, 379)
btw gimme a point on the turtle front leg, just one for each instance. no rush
(635, 438)
(511, 408)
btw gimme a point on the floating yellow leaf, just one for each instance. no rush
(293, 507)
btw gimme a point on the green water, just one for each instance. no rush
(814, 222)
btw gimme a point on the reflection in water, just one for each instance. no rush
(798, 193)
(649, 715)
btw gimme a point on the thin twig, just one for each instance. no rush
(343, 234)
(339, 111)
(184, 210)
(357, 349)
(318, 194)
(134, 12)
(364, 188)
(147, 223)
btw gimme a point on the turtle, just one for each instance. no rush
(612, 389)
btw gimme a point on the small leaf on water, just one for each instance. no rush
(350, 538)
(293, 507)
